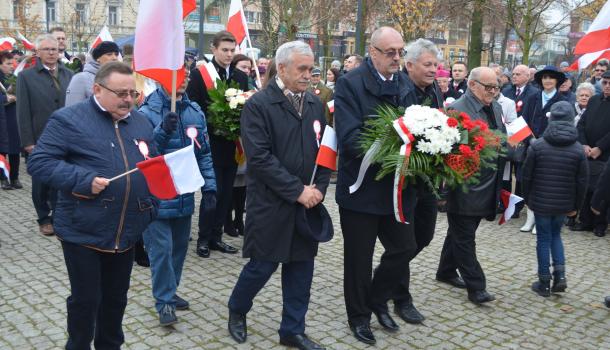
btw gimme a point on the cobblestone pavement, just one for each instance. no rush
(34, 285)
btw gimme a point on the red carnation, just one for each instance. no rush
(479, 141)
(468, 124)
(452, 122)
(466, 150)
(464, 116)
(482, 125)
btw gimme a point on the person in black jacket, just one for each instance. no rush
(211, 219)
(600, 200)
(555, 175)
(458, 84)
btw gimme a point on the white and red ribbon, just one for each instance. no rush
(399, 179)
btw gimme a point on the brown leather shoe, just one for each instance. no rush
(47, 229)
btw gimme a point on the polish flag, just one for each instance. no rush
(518, 130)
(331, 106)
(104, 35)
(237, 24)
(22, 65)
(25, 42)
(598, 35)
(209, 75)
(327, 155)
(509, 200)
(172, 174)
(159, 41)
(4, 167)
(588, 59)
(7, 43)
(188, 6)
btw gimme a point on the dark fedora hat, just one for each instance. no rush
(314, 223)
(551, 71)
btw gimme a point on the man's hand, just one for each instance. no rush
(572, 213)
(99, 184)
(170, 123)
(29, 149)
(595, 211)
(587, 150)
(310, 196)
(11, 98)
(595, 152)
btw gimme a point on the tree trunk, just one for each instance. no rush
(476, 35)
(527, 45)
(504, 44)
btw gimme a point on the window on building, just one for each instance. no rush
(113, 15)
(81, 13)
(252, 17)
(17, 9)
(51, 11)
(586, 24)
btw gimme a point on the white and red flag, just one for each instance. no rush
(237, 24)
(509, 200)
(209, 75)
(104, 35)
(159, 41)
(327, 154)
(172, 174)
(4, 166)
(588, 59)
(25, 42)
(331, 106)
(598, 34)
(7, 43)
(518, 130)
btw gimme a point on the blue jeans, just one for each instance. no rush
(548, 243)
(166, 242)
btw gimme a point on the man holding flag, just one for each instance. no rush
(167, 237)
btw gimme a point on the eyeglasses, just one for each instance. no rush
(489, 88)
(391, 53)
(123, 94)
(48, 49)
(605, 82)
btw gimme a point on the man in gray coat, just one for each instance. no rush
(465, 209)
(41, 90)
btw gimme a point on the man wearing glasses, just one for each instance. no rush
(367, 213)
(97, 220)
(600, 68)
(465, 209)
(41, 90)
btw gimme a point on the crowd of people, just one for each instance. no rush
(79, 131)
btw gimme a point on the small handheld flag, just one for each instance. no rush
(509, 200)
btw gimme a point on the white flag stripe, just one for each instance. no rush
(329, 139)
(184, 169)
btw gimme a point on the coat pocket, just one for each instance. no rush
(93, 216)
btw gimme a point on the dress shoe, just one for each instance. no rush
(16, 184)
(6, 185)
(363, 333)
(181, 304)
(480, 296)
(237, 327)
(408, 313)
(222, 247)
(607, 301)
(599, 231)
(300, 341)
(530, 222)
(203, 250)
(386, 321)
(456, 281)
(47, 229)
(578, 227)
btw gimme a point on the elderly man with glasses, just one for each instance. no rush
(41, 90)
(465, 209)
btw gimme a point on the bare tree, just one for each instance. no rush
(28, 24)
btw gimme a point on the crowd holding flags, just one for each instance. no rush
(595, 45)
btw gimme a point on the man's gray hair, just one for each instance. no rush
(418, 47)
(586, 86)
(284, 53)
(44, 37)
(475, 73)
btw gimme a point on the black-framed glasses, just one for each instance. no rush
(391, 53)
(123, 94)
(489, 87)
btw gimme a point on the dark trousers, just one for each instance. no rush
(98, 286)
(238, 204)
(426, 211)
(44, 198)
(296, 286)
(13, 162)
(588, 219)
(212, 219)
(364, 295)
(459, 252)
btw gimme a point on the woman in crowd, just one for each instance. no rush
(583, 93)
(566, 90)
(10, 143)
(442, 79)
(244, 64)
(332, 74)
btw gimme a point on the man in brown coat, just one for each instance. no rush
(324, 93)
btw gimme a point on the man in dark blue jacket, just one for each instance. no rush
(167, 237)
(97, 220)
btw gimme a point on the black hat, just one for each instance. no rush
(103, 48)
(562, 111)
(316, 71)
(606, 75)
(553, 72)
(314, 223)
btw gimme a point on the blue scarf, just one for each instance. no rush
(546, 98)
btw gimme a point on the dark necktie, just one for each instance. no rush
(296, 102)
(518, 92)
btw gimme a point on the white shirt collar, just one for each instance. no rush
(384, 78)
(104, 109)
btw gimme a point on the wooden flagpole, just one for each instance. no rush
(174, 78)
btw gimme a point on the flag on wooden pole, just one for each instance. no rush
(237, 24)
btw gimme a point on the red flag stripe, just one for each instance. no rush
(327, 157)
(188, 6)
(521, 134)
(207, 78)
(158, 177)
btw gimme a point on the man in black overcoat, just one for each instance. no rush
(277, 128)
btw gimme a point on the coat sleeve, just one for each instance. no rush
(348, 120)
(602, 192)
(604, 143)
(196, 90)
(204, 159)
(528, 173)
(24, 113)
(49, 162)
(76, 90)
(582, 179)
(582, 127)
(261, 162)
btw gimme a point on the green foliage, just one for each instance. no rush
(223, 119)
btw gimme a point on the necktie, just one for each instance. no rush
(518, 92)
(296, 102)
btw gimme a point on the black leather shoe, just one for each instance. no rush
(6, 185)
(386, 321)
(16, 184)
(456, 281)
(363, 333)
(203, 250)
(580, 227)
(300, 341)
(607, 301)
(237, 327)
(222, 247)
(599, 231)
(408, 313)
(480, 296)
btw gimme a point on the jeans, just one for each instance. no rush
(98, 296)
(166, 242)
(548, 242)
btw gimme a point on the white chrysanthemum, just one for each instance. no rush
(233, 103)
(231, 92)
(241, 99)
(429, 126)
